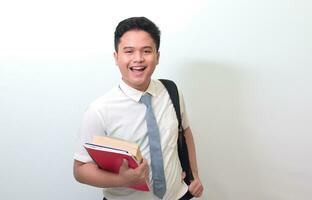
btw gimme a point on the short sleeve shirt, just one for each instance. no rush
(120, 114)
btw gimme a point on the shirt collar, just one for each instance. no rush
(137, 94)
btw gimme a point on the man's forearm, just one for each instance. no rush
(191, 151)
(90, 174)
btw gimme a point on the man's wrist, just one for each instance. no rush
(195, 174)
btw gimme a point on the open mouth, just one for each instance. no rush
(138, 68)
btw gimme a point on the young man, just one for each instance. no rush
(121, 113)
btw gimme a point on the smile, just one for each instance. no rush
(138, 68)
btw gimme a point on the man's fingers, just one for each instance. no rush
(124, 165)
(183, 174)
(196, 188)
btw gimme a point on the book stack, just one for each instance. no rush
(108, 153)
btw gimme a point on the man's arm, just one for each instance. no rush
(90, 174)
(196, 187)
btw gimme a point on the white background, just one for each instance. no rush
(244, 67)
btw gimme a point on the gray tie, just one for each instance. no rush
(158, 174)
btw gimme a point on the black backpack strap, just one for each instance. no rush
(182, 146)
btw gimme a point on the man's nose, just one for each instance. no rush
(138, 57)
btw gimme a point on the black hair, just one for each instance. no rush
(137, 23)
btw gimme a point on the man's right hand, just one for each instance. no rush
(135, 176)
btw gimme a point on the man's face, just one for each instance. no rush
(136, 58)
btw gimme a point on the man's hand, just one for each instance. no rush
(135, 176)
(196, 188)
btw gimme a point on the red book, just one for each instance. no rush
(110, 159)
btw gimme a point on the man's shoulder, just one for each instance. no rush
(158, 84)
(161, 87)
(106, 99)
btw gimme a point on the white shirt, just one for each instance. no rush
(120, 114)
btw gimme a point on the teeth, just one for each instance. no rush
(138, 68)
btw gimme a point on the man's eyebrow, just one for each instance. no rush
(128, 47)
(131, 48)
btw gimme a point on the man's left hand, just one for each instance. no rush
(196, 188)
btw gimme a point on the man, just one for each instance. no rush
(121, 113)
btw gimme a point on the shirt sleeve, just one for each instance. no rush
(92, 124)
(185, 121)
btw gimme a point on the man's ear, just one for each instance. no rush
(116, 57)
(158, 55)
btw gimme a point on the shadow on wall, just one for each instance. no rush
(214, 96)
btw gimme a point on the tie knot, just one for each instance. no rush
(146, 99)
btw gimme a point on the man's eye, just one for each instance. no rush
(147, 51)
(128, 51)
